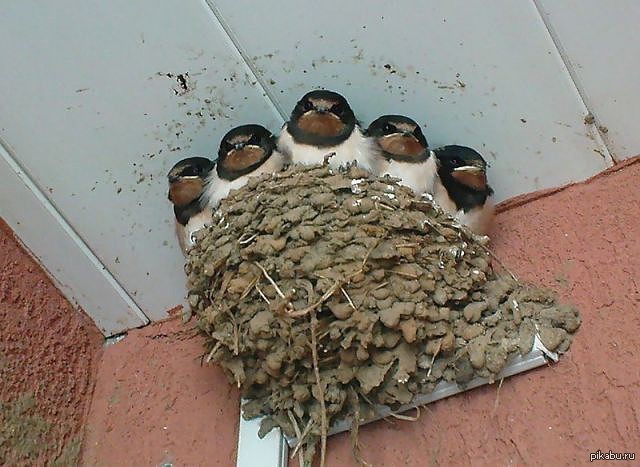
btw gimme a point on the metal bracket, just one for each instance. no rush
(270, 451)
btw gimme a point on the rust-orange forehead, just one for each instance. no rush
(323, 102)
(238, 139)
(405, 126)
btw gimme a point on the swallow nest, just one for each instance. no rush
(325, 293)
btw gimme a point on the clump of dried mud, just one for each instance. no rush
(324, 293)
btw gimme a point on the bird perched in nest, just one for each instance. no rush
(186, 185)
(245, 151)
(461, 187)
(322, 125)
(404, 152)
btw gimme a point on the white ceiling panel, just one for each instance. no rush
(601, 42)
(100, 99)
(483, 74)
(93, 109)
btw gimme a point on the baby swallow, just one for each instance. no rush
(404, 152)
(245, 151)
(186, 185)
(461, 187)
(321, 125)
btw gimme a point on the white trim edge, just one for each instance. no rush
(74, 268)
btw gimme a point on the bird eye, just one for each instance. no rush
(254, 140)
(388, 128)
(336, 108)
(308, 105)
(455, 161)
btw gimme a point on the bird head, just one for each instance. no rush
(400, 138)
(462, 165)
(187, 179)
(243, 149)
(321, 118)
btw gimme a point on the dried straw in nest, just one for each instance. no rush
(323, 293)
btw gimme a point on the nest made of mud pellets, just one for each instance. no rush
(323, 293)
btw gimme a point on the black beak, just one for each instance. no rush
(173, 178)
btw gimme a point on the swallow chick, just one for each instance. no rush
(323, 125)
(404, 152)
(245, 151)
(186, 186)
(461, 187)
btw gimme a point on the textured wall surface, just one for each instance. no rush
(580, 241)
(49, 354)
(153, 390)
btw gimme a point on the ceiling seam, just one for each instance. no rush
(562, 53)
(247, 60)
(7, 153)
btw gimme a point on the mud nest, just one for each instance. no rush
(323, 293)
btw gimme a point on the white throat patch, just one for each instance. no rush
(217, 188)
(355, 148)
(419, 177)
